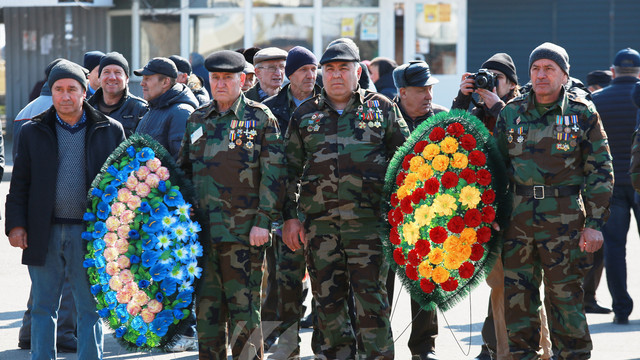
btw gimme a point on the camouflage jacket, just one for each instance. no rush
(236, 162)
(341, 160)
(567, 145)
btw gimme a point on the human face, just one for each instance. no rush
(226, 86)
(249, 81)
(547, 79)
(504, 85)
(113, 80)
(153, 86)
(270, 73)
(303, 80)
(94, 78)
(416, 100)
(67, 96)
(340, 79)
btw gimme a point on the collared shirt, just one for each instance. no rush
(75, 127)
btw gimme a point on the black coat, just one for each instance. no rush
(31, 197)
(281, 107)
(130, 109)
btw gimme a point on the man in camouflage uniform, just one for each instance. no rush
(338, 145)
(234, 154)
(559, 164)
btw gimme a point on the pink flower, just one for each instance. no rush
(133, 309)
(147, 316)
(123, 262)
(127, 216)
(112, 223)
(134, 202)
(110, 238)
(140, 298)
(123, 231)
(115, 284)
(122, 246)
(118, 208)
(111, 254)
(142, 173)
(132, 182)
(143, 189)
(127, 277)
(124, 295)
(154, 164)
(124, 194)
(112, 268)
(152, 180)
(154, 306)
(163, 173)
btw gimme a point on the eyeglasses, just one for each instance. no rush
(272, 68)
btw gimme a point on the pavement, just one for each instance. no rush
(459, 328)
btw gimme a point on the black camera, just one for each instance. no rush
(484, 79)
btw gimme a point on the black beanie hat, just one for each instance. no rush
(552, 52)
(114, 58)
(92, 59)
(503, 63)
(297, 58)
(65, 69)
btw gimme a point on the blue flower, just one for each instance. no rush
(193, 270)
(115, 182)
(195, 249)
(99, 244)
(149, 242)
(110, 297)
(162, 186)
(144, 207)
(185, 286)
(181, 232)
(173, 198)
(145, 154)
(141, 340)
(100, 261)
(134, 234)
(183, 209)
(87, 263)
(159, 271)
(164, 240)
(160, 211)
(122, 175)
(168, 221)
(184, 299)
(131, 151)
(178, 273)
(96, 289)
(153, 226)
(159, 296)
(122, 313)
(134, 259)
(99, 229)
(87, 235)
(182, 254)
(169, 285)
(178, 314)
(103, 210)
(138, 324)
(121, 331)
(112, 170)
(104, 312)
(110, 193)
(142, 284)
(160, 325)
(96, 192)
(149, 258)
(89, 216)
(104, 278)
(132, 166)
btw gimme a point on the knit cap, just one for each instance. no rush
(92, 59)
(114, 58)
(552, 52)
(297, 58)
(503, 63)
(65, 69)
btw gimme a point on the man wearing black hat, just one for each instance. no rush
(560, 169)
(184, 76)
(113, 97)
(170, 104)
(233, 152)
(598, 79)
(269, 67)
(91, 63)
(338, 146)
(618, 114)
(60, 152)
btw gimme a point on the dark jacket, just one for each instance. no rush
(254, 93)
(386, 86)
(202, 96)
(197, 66)
(130, 109)
(618, 114)
(167, 117)
(487, 115)
(282, 106)
(32, 191)
(412, 124)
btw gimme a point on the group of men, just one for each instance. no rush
(300, 156)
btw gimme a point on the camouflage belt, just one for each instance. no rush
(542, 191)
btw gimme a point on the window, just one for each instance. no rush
(283, 30)
(209, 33)
(363, 29)
(159, 36)
(437, 36)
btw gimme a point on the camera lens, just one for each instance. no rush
(481, 81)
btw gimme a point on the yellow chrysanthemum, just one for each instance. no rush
(468, 236)
(460, 161)
(445, 204)
(436, 255)
(440, 275)
(424, 215)
(425, 269)
(411, 232)
(430, 151)
(415, 163)
(449, 145)
(425, 172)
(403, 192)
(451, 243)
(452, 262)
(464, 253)
(411, 180)
(440, 163)
(469, 196)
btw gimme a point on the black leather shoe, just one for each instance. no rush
(595, 308)
(483, 356)
(621, 320)
(24, 345)
(431, 355)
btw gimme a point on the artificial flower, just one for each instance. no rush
(469, 196)
(440, 163)
(445, 204)
(449, 145)
(440, 274)
(425, 269)
(430, 151)
(460, 161)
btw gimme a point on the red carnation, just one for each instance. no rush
(414, 258)
(483, 234)
(488, 197)
(438, 234)
(394, 200)
(398, 256)
(468, 175)
(423, 247)
(455, 129)
(484, 177)
(396, 217)
(400, 178)
(405, 162)
(437, 134)
(476, 252)
(488, 214)
(394, 236)
(468, 142)
(473, 218)
(431, 186)
(418, 195)
(449, 180)
(406, 206)
(450, 284)
(466, 270)
(420, 146)
(412, 272)
(427, 286)
(477, 158)
(456, 224)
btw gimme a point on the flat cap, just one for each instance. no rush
(248, 68)
(415, 73)
(270, 53)
(159, 65)
(627, 58)
(182, 64)
(225, 61)
(340, 52)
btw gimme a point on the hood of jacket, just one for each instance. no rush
(178, 94)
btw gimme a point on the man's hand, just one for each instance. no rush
(466, 84)
(291, 231)
(258, 236)
(490, 98)
(18, 237)
(591, 240)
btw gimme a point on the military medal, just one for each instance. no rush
(566, 120)
(574, 121)
(558, 123)
(232, 136)
(520, 137)
(249, 144)
(567, 130)
(518, 120)
(239, 142)
(573, 143)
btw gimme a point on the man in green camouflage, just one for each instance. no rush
(234, 154)
(338, 145)
(560, 168)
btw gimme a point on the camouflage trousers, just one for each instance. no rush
(541, 244)
(341, 255)
(229, 298)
